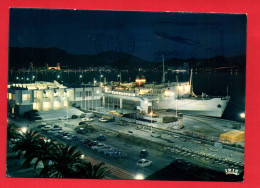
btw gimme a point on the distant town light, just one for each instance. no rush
(242, 115)
(101, 75)
(17, 78)
(139, 177)
(80, 76)
(27, 78)
(58, 76)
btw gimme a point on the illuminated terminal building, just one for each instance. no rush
(44, 96)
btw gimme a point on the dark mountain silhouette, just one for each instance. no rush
(22, 57)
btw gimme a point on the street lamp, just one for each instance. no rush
(33, 77)
(80, 76)
(101, 76)
(242, 115)
(24, 129)
(139, 177)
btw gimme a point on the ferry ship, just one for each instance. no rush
(175, 96)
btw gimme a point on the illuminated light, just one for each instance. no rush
(24, 129)
(168, 93)
(56, 104)
(139, 177)
(80, 76)
(97, 91)
(242, 115)
(82, 156)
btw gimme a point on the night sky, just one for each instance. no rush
(147, 35)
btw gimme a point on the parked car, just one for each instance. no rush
(74, 137)
(65, 133)
(99, 145)
(81, 131)
(92, 143)
(121, 154)
(82, 123)
(67, 137)
(102, 137)
(144, 153)
(46, 128)
(57, 127)
(63, 117)
(110, 151)
(87, 119)
(74, 117)
(85, 141)
(103, 120)
(82, 115)
(101, 150)
(143, 163)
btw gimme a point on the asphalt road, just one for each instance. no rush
(162, 151)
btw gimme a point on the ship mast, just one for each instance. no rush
(191, 88)
(163, 77)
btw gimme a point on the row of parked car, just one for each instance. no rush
(103, 148)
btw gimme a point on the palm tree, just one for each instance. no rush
(63, 162)
(12, 133)
(26, 144)
(87, 170)
(43, 153)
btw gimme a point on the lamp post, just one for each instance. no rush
(17, 78)
(101, 76)
(80, 76)
(242, 115)
(33, 77)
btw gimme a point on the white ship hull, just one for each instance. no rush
(213, 107)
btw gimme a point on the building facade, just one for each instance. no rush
(44, 96)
